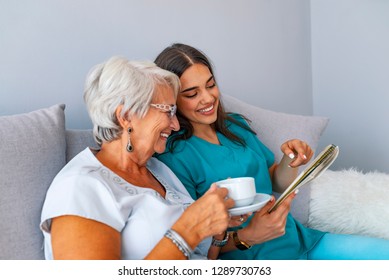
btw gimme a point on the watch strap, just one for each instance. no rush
(241, 245)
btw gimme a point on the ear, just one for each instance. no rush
(123, 121)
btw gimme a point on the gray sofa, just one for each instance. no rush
(36, 145)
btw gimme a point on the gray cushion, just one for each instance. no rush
(273, 129)
(32, 152)
(78, 140)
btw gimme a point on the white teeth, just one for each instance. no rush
(165, 135)
(206, 109)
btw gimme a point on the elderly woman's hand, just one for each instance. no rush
(206, 217)
(298, 151)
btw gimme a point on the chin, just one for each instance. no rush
(160, 150)
(210, 119)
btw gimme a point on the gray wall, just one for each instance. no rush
(47, 47)
(261, 50)
(350, 63)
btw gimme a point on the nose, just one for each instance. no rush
(207, 97)
(174, 124)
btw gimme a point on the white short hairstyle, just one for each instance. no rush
(117, 82)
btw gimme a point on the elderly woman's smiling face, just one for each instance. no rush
(150, 133)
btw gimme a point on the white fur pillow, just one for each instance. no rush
(350, 202)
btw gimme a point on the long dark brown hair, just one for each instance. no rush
(177, 58)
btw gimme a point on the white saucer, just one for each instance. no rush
(259, 201)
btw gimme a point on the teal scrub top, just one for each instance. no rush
(198, 164)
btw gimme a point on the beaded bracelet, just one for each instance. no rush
(179, 242)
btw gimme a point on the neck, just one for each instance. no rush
(114, 156)
(207, 133)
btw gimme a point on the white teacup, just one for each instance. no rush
(241, 190)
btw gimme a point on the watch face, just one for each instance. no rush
(241, 246)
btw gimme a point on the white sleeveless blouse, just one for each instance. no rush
(86, 188)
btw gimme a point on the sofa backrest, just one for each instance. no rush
(78, 140)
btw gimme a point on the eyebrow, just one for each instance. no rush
(192, 88)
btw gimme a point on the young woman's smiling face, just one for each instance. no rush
(199, 98)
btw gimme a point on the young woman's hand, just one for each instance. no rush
(264, 226)
(239, 220)
(298, 151)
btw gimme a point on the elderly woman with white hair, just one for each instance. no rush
(119, 202)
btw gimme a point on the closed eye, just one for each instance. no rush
(191, 95)
(212, 85)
